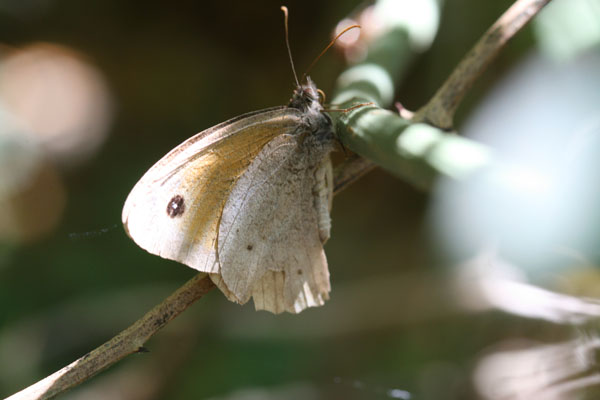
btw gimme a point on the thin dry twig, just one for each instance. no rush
(439, 111)
(129, 341)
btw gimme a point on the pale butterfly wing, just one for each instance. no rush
(174, 210)
(272, 229)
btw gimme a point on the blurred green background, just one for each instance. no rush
(135, 79)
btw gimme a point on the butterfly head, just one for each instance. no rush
(306, 98)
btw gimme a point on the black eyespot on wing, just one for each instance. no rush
(249, 247)
(176, 206)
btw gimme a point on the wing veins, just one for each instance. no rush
(252, 184)
(163, 179)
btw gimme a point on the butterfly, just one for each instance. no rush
(247, 201)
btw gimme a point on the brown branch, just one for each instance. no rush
(129, 341)
(439, 111)
(132, 339)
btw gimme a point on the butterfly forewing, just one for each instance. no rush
(174, 210)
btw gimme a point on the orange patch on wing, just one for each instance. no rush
(214, 174)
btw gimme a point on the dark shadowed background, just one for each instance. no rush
(93, 93)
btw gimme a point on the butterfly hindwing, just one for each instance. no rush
(274, 224)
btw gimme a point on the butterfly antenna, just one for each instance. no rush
(287, 42)
(327, 48)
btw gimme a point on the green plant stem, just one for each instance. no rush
(419, 149)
